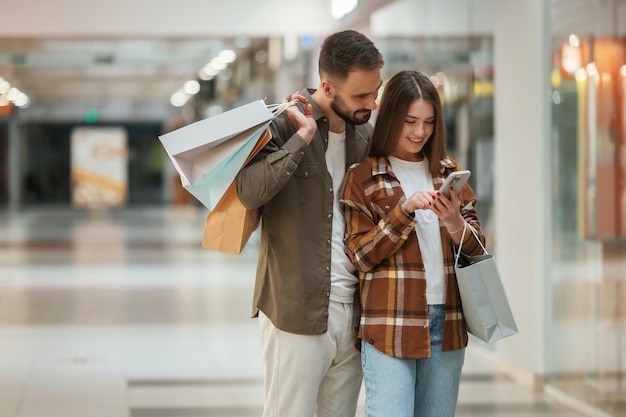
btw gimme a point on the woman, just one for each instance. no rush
(400, 235)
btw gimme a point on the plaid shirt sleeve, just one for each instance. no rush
(376, 225)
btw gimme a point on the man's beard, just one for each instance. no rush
(354, 118)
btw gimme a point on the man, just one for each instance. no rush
(305, 286)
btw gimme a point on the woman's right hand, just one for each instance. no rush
(421, 200)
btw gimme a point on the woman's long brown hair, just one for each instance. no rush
(401, 90)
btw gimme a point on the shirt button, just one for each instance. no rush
(371, 341)
(328, 241)
(288, 173)
(327, 294)
(301, 153)
(306, 173)
(387, 208)
(331, 190)
(328, 268)
(330, 215)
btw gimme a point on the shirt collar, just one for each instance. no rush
(381, 166)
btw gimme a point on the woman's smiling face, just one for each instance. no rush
(419, 125)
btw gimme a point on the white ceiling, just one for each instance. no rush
(127, 57)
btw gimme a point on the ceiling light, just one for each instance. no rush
(10, 94)
(207, 72)
(340, 8)
(22, 101)
(5, 86)
(205, 75)
(218, 64)
(191, 87)
(179, 99)
(13, 94)
(227, 56)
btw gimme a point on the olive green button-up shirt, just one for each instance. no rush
(289, 181)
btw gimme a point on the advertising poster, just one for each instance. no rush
(99, 167)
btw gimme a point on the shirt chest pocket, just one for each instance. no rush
(305, 183)
(382, 206)
(306, 171)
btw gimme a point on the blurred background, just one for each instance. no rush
(534, 105)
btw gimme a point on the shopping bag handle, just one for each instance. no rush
(465, 226)
(278, 108)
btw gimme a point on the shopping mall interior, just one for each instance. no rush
(109, 305)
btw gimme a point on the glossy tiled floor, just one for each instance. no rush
(123, 314)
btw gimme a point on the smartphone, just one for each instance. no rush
(456, 179)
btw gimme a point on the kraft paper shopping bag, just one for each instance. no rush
(486, 309)
(229, 225)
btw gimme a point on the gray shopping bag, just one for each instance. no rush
(486, 309)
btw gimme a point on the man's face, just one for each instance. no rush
(355, 97)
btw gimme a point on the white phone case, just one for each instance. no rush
(456, 179)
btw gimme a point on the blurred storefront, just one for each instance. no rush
(587, 274)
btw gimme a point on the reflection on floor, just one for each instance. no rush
(123, 314)
(588, 338)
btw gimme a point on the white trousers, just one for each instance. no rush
(308, 376)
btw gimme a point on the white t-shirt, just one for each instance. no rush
(414, 176)
(343, 280)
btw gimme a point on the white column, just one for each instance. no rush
(521, 62)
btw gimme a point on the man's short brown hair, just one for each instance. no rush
(346, 51)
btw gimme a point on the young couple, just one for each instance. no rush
(357, 245)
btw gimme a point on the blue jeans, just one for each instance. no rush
(413, 387)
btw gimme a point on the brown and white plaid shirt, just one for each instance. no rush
(381, 242)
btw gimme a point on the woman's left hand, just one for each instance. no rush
(447, 209)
